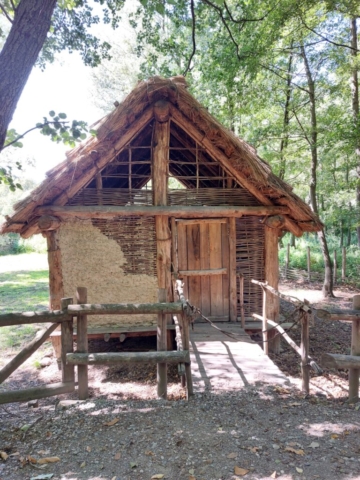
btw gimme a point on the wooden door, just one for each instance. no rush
(203, 264)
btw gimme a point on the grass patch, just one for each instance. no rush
(23, 287)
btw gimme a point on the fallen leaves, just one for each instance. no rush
(299, 470)
(43, 461)
(240, 471)
(117, 456)
(314, 445)
(112, 422)
(157, 476)
(273, 475)
(4, 456)
(294, 450)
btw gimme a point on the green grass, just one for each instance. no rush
(24, 286)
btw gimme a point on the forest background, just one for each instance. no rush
(282, 74)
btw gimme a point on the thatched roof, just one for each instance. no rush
(116, 130)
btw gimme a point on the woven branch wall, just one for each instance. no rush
(250, 261)
(136, 236)
(191, 196)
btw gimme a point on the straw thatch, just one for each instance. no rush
(116, 130)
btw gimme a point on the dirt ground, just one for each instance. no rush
(123, 432)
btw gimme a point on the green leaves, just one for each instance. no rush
(61, 131)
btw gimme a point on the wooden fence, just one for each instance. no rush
(290, 273)
(65, 318)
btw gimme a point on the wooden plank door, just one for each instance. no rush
(203, 262)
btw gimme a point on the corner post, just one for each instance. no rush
(272, 306)
(67, 344)
(355, 350)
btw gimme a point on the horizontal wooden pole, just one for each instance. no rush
(101, 211)
(10, 319)
(332, 315)
(334, 360)
(36, 392)
(196, 273)
(26, 352)
(128, 357)
(125, 308)
(196, 221)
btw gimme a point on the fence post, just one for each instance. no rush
(304, 347)
(67, 344)
(264, 324)
(309, 264)
(335, 268)
(287, 259)
(82, 344)
(355, 350)
(343, 265)
(162, 346)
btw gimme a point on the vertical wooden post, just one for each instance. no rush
(343, 265)
(189, 382)
(304, 347)
(161, 346)
(272, 304)
(232, 269)
(56, 287)
(82, 344)
(99, 186)
(335, 268)
(355, 350)
(67, 344)
(287, 262)
(161, 139)
(242, 308)
(309, 264)
(265, 334)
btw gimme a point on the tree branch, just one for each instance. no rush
(2, 8)
(192, 37)
(242, 20)
(42, 125)
(327, 39)
(302, 128)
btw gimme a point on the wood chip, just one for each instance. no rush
(232, 455)
(44, 460)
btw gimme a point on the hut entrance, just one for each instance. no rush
(203, 262)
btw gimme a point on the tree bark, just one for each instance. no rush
(327, 289)
(285, 139)
(354, 85)
(30, 26)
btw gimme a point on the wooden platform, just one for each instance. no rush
(221, 363)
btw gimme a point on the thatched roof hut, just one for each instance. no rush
(100, 214)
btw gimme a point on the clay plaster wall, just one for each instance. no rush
(91, 260)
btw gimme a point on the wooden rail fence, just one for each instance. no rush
(81, 358)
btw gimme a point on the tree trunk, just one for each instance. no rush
(285, 139)
(327, 289)
(354, 85)
(30, 26)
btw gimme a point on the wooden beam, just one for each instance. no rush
(48, 222)
(67, 344)
(124, 308)
(36, 392)
(111, 358)
(354, 373)
(178, 211)
(196, 221)
(338, 314)
(26, 352)
(209, 272)
(333, 360)
(11, 319)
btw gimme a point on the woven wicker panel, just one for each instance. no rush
(250, 261)
(191, 196)
(136, 236)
